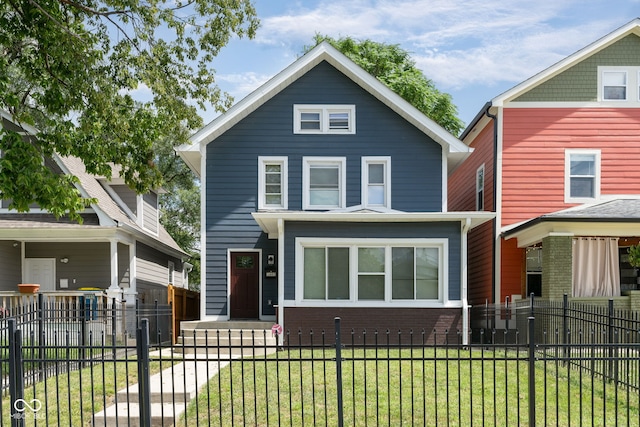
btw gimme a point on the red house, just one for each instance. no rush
(557, 157)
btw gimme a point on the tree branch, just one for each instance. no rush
(93, 11)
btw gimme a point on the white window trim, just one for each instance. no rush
(366, 161)
(484, 180)
(341, 162)
(324, 111)
(567, 176)
(633, 89)
(353, 245)
(171, 270)
(262, 162)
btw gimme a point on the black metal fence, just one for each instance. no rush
(551, 371)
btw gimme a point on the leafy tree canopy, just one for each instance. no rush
(70, 68)
(394, 67)
(180, 205)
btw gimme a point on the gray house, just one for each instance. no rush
(120, 245)
(324, 194)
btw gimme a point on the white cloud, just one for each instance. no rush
(456, 43)
(242, 83)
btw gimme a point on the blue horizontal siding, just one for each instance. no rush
(232, 164)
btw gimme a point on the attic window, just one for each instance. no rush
(614, 85)
(324, 119)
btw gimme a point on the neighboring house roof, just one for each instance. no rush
(109, 216)
(455, 150)
(633, 27)
(619, 216)
(108, 208)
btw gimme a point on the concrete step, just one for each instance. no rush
(171, 391)
(226, 325)
(128, 414)
(245, 337)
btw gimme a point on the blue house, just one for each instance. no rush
(324, 194)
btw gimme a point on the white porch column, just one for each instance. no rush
(113, 246)
(131, 292)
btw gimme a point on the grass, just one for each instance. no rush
(420, 387)
(71, 398)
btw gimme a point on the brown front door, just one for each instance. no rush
(245, 287)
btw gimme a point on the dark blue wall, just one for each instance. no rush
(232, 166)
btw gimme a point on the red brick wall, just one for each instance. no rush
(317, 319)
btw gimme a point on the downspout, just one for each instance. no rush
(465, 281)
(494, 221)
(281, 319)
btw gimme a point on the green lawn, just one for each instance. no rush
(72, 398)
(399, 392)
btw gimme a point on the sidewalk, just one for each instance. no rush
(171, 391)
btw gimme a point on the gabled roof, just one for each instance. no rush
(109, 214)
(191, 153)
(633, 27)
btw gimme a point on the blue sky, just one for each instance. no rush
(472, 49)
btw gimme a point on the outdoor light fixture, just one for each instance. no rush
(64, 260)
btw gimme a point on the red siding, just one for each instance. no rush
(512, 271)
(534, 143)
(462, 197)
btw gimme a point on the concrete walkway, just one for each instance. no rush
(171, 391)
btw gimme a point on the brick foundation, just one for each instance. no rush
(317, 319)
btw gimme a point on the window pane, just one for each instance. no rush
(339, 120)
(614, 78)
(582, 187)
(273, 178)
(310, 121)
(376, 195)
(273, 199)
(324, 184)
(615, 92)
(338, 283)
(314, 273)
(371, 260)
(273, 168)
(371, 287)
(427, 262)
(376, 173)
(324, 198)
(402, 273)
(583, 164)
(324, 176)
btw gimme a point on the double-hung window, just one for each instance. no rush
(582, 176)
(309, 118)
(272, 183)
(323, 182)
(366, 271)
(619, 85)
(614, 86)
(376, 182)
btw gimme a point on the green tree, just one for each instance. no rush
(394, 67)
(180, 205)
(71, 68)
